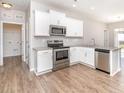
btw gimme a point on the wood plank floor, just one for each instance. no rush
(16, 78)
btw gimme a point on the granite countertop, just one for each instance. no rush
(82, 46)
(42, 48)
(98, 47)
(109, 48)
(86, 46)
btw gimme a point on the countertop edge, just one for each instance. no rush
(41, 48)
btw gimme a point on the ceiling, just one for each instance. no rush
(103, 10)
(21, 5)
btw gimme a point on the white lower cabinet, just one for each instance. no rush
(89, 56)
(76, 54)
(73, 55)
(82, 55)
(44, 61)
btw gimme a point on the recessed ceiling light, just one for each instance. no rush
(74, 5)
(7, 5)
(92, 8)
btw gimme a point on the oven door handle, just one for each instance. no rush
(61, 49)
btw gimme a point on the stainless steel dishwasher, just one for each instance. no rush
(102, 60)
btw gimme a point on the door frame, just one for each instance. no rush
(1, 38)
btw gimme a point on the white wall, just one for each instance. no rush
(111, 27)
(1, 47)
(92, 29)
(27, 20)
(12, 15)
(12, 40)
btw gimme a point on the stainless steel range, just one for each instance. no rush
(60, 54)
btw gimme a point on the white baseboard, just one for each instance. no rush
(79, 62)
(1, 63)
(41, 73)
(74, 63)
(12, 56)
(112, 74)
(87, 65)
(32, 69)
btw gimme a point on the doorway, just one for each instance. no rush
(12, 41)
(2, 52)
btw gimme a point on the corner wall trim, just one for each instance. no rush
(1, 64)
(32, 69)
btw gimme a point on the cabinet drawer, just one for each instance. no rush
(45, 52)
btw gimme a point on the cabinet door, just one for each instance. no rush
(81, 53)
(57, 18)
(44, 60)
(74, 28)
(79, 27)
(90, 56)
(42, 23)
(73, 55)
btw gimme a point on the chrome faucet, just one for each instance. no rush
(93, 42)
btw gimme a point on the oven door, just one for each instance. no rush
(61, 55)
(57, 31)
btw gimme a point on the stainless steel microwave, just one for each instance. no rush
(57, 30)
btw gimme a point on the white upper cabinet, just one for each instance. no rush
(42, 22)
(74, 28)
(44, 19)
(57, 18)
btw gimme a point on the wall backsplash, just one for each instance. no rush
(42, 41)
